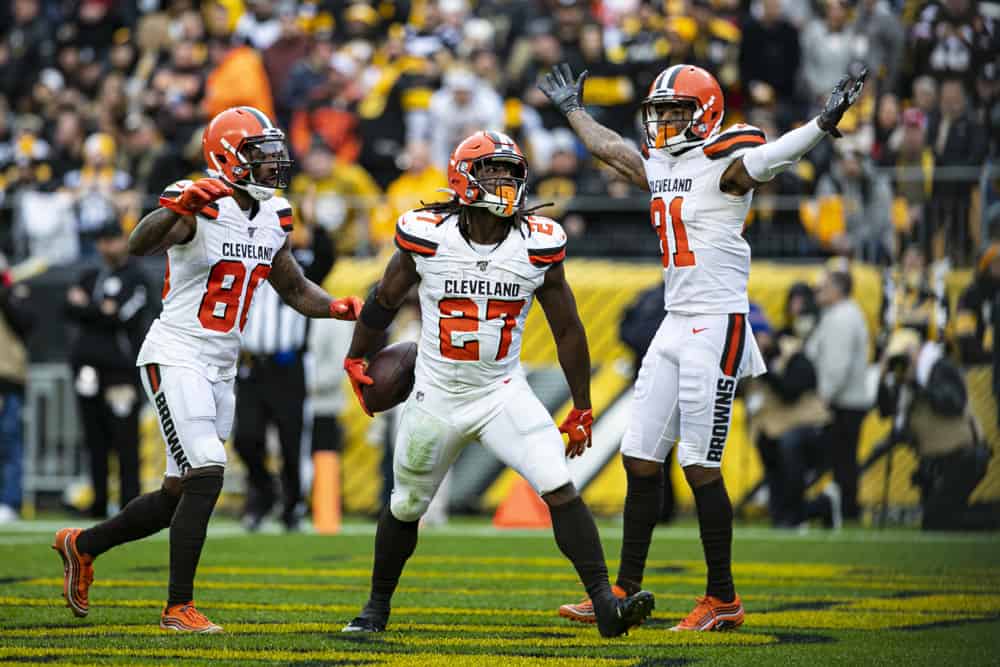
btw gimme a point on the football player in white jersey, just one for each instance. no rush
(701, 180)
(222, 235)
(480, 259)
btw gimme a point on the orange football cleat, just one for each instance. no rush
(185, 618)
(711, 613)
(583, 612)
(78, 571)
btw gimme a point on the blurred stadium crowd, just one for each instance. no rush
(102, 103)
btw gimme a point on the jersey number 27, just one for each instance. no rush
(658, 214)
(221, 301)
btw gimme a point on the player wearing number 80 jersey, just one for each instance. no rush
(701, 180)
(223, 235)
(210, 281)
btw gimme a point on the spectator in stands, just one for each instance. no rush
(149, 158)
(421, 181)
(566, 177)
(909, 300)
(789, 417)
(960, 147)
(109, 305)
(951, 39)
(327, 113)
(310, 72)
(544, 52)
(913, 163)
(15, 322)
(975, 314)
(260, 25)
(27, 47)
(924, 94)
(291, 46)
(829, 45)
(856, 198)
(175, 91)
(96, 188)
(337, 198)
(887, 120)
(839, 349)
(883, 40)
(988, 107)
(462, 106)
(927, 397)
(67, 142)
(715, 44)
(237, 78)
(769, 58)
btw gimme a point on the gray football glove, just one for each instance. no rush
(560, 87)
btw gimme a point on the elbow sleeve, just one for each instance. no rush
(768, 160)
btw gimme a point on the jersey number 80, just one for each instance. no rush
(221, 301)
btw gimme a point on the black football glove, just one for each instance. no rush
(560, 87)
(845, 93)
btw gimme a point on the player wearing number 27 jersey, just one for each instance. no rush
(479, 260)
(701, 180)
(223, 235)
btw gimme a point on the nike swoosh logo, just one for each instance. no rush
(698, 331)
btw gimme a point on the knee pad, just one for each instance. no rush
(408, 505)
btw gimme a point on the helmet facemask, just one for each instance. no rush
(669, 123)
(263, 164)
(500, 181)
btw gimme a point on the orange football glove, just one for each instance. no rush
(577, 426)
(348, 308)
(196, 196)
(356, 373)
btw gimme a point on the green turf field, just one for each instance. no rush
(472, 596)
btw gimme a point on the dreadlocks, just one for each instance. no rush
(454, 207)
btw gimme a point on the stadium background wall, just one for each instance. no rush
(603, 290)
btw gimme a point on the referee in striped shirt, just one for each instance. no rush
(271, 385)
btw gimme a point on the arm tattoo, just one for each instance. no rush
(609, 146)
(158, 231)
(294, 288)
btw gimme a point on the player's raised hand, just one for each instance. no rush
(845, 93)
(356, 374)
(577, 426)
(348, 308)
(196, 196)
(562, 89)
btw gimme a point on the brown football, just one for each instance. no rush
(392, 371)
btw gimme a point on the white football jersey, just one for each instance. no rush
(706, 260)
(210, 282)
(473, 306)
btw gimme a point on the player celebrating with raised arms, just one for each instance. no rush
(701, 181)
(222, 235)
(480, 259)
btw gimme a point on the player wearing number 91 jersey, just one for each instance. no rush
(700, 179)
(223, 235)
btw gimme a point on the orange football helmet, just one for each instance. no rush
(691, 88)
(465, 173)
(243, 147)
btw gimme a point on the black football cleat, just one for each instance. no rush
(365, 624)
(626, 614)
